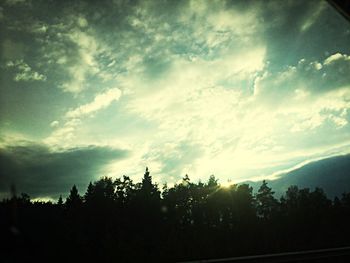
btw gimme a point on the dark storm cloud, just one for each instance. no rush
(297, 29)
(41, 172)
(302, 29)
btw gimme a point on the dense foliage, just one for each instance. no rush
(122, 221)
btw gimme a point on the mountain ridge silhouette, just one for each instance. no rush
(331, 174)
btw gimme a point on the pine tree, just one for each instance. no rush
(60, 202)
(265, 201)
(74, 200)
(147, 186)
(89, 193)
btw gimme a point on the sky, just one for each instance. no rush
(243, 90)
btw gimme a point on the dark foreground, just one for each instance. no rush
(120, 221)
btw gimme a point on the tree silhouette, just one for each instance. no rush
(118, 219)
(89, 194)
(265, 201)
(60, 202)
(74, 200)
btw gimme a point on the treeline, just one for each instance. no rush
(122, 221)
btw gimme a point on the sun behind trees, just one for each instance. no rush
(122, 221)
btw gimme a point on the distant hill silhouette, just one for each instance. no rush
(331, 174)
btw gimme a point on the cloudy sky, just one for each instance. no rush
(239, 89)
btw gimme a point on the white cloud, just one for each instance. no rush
(63, 136)
(303, 81)
(73, 119)
(240, 134)
(82, 22)
(54, 124)
(214, 15)
(27, 76)
(24, 72)
(336, 57)
(101, 101)
(200, 102)
(78, 75)
(339, 121)
(39, 28)
(312, 18)
(86, 64)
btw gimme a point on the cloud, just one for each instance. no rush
(204, 95)
(82, 22)
(300, 29)
(101, 101)
(307, 77)
(39, 28)
(312, 18)
(67, 48)
(74, 117)
(336, 58)
(201, 118)
(43, 172)
(215, 24)
(239, 133)
(54, 124)
(311, 95)
(63, 135)
(83, 65)
(225, 87)
(24, 72)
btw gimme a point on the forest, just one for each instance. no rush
(117, 220)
